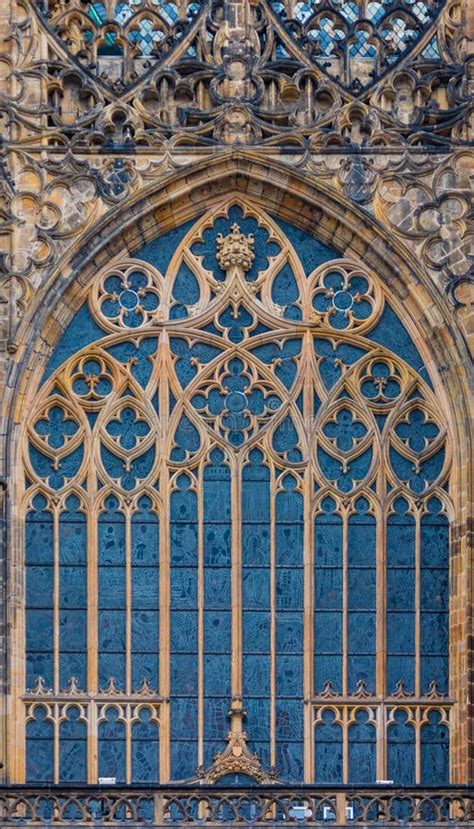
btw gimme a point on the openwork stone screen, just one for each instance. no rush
(236, 497)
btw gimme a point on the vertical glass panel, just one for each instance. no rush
(73, 748)
(328, 597)
(145, 595)
(39, 562)
(361, 581)
(401, 578)
(72, 594)
(401, 751)
(434, 751)
(112, 595)
(184, 628)
(328, 750)
(112, 746)
(145, 749)
(217, 602)
(362, 743)
(434, 598)
(39, 748)
(256, 601)
(289, 601)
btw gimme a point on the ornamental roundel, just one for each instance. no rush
(233, 407)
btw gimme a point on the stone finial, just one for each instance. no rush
(235, 250)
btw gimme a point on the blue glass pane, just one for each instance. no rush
(256, 593)
(112, 747)
(401, 751)
(328, 750)
(434, 751)
(111, 595)
(400, 618)
(184, 628)
(145, 749)
(328, 597)
(434, 597)
(39, 749)
(362, 742)
(73, 748)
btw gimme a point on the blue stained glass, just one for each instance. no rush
(217, 600)
(159, 252)
(184, 627)
(401, 751)
(289, 760)
(362, 741)
(257, 675)
(334, 357)
(391, 333)
(256, 590)
(186, 440)
(285, 440)
(361, 586)
(285, 293)
(145, 749)
(145, 594)
(129, 472)
(45, 467)
(186, 292)
(434, 597)
(311, 251)
(235, 322)
(138, 357)
(81, 331)
(111, 593)
(39, 748)
(111, 748)
(328, 597)
(345, 479)
(400, 597)
(434, 751)
(328, 750)
(281, 357)
(188, 355)
(73, 748)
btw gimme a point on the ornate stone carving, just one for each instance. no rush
(236, 758)
(235, 250)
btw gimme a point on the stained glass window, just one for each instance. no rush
(237, 499)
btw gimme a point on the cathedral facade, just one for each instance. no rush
(236, 310)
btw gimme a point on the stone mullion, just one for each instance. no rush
(56, 586)
(164, 614)
(200, 609)
(92, 616)
(236, 501)
(381, 615)
(308, 565)
(128, 602)
(273, 617)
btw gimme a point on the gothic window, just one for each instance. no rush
(236, 500)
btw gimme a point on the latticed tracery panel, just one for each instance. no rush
(236, 489)
(357, 41)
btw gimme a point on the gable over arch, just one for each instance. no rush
(289, 322)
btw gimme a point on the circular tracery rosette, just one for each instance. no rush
(128, 297)
(345, 297)
(237, 400)
(91, 379)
